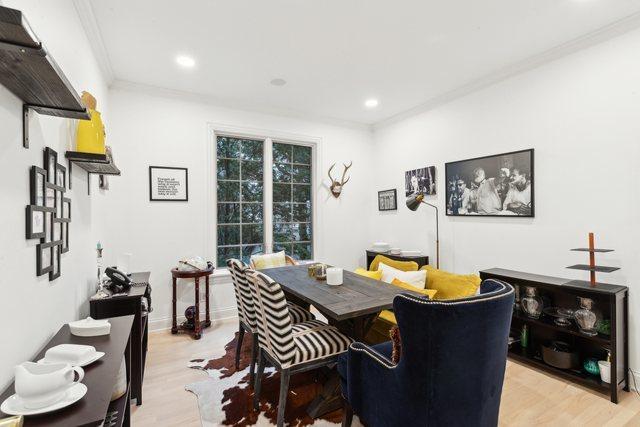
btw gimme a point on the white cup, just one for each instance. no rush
(334, 276)
(605, 371)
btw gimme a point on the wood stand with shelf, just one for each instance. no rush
(198, 325)
(611, 300)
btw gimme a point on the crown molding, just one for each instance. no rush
(610, 31)
(163, 92)
(92, 30)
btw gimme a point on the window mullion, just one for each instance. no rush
(268, 195)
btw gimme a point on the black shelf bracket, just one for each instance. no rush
(25, 125)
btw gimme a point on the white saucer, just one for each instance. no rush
(97, 355)
(14, 406)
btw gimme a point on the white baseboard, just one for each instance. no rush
(216, 315)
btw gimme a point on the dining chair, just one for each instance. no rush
(290, 348)
(247, 316)
(287, 260)
(451, 367)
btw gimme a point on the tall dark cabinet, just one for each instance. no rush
(131, 304)
(611, 303)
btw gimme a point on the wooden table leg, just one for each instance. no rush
(196, 322)
(329, 398)
(207, 321)
(174, 320)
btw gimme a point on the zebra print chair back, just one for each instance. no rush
(275, 331)
(244, 298)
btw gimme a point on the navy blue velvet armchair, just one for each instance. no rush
(451, 366)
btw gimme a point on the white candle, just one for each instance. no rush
(334, 276)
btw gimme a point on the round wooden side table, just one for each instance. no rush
(197, 325)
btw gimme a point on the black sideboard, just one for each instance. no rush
(130, 304)
(612, 301)
(422, 260)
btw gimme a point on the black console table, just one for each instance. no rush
(130, 304)
(100, 378)
(612, 301)
(422, 260)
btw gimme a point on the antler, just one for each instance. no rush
(330, 177)
(346, 168)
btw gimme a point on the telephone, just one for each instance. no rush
(120, 282)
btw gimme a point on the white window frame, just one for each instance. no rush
(214, 130)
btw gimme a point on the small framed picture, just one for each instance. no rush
(59, 204)
(388, 200)
(168, 184)
(55, 261)
(56, 230)
(66, 209)
(50, 162)
(61, 176)
(38, 178)
(44, 259)
(49, 195)
(48, 225)
(36, 221)
(65, 237)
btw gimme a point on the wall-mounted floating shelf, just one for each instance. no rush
(30, 73)
(94, 164)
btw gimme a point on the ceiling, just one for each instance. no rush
(334, 54)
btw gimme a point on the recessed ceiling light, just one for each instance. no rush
(278, 82)
(185, 61)
(371, 103)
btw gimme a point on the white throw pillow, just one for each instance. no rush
(414, 278)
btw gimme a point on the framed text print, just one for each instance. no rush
(168, 184)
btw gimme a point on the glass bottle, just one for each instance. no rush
(531, 303)
(585, 317)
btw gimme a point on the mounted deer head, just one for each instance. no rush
(336, 186)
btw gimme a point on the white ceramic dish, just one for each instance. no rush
(90, 327)
(82, 363)
(14, 406)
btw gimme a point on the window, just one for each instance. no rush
(246, 177)
(292, 215)
(240, 165)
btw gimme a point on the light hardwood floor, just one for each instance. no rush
(529, 397)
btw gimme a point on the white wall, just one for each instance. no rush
(32, 308)
(580, 114)
(148, 129)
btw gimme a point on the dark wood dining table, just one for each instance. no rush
(351, 307)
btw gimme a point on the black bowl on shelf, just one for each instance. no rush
(560, 355)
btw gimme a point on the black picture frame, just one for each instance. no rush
(56, 252)
(186, 184)
(65, 238)
(42, 267)
(37, 192)
(382, 205)
(31, 212)
(61, 176)
(66, 210)
(50, 162)
(461, 170)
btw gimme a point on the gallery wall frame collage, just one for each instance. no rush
(498, 185)
(48, 214)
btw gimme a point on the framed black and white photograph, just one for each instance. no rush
(497, 185)
(44, 258)
(55, 261)
(61, 176)
(56, 230)
(168, 184)
(49, 195)
(37, 180)
(48, 224)
(420, 181)
(66, 209)
(50, 162)
(388, 200)
(36, 221)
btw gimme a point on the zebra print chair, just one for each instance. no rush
(247, 314)
(290, 348)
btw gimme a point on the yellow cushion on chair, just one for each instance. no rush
(428, 292)
(377, 275)
(400, 265)
(450, 285)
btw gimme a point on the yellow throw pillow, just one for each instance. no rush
(387, 315)
(400, 265)
(377, 275)
(276, 259)
(450, 285)
(428, 292)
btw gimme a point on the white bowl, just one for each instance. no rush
(90, 327)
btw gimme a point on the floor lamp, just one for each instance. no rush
(413, 202)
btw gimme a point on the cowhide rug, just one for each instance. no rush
(225, 398)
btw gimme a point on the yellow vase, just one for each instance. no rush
(90, 135)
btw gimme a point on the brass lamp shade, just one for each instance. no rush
(413, 201)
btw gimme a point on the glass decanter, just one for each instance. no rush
(531, 303)
(585, 317)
